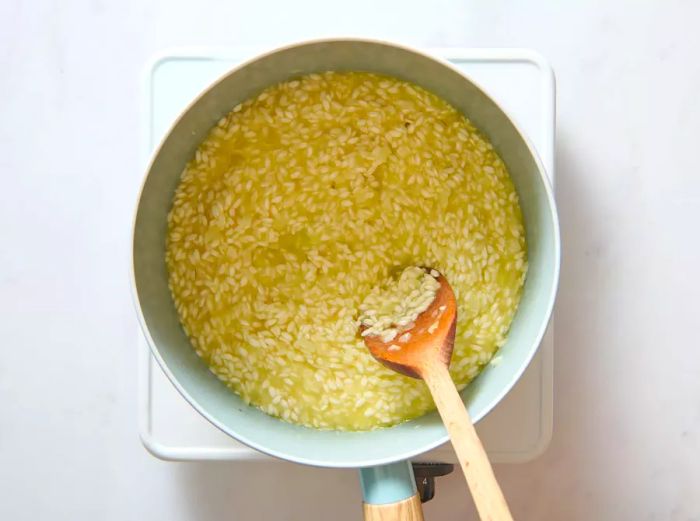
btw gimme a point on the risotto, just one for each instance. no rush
(300, 204)
(391, 309)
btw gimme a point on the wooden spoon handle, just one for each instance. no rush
(475, 464)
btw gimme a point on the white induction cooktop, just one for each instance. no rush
(520, 427)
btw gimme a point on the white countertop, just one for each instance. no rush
(626, 441)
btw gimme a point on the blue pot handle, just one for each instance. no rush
(389, 492)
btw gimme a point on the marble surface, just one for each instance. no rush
(626, 441)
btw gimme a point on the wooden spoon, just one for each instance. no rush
(427, 355)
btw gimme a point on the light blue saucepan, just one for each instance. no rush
(383, 455)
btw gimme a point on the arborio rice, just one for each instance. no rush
(305, 199)
(392, 308)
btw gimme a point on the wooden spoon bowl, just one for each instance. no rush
(427, 343)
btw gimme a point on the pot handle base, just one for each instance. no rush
(406, 510)
(389, 493)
